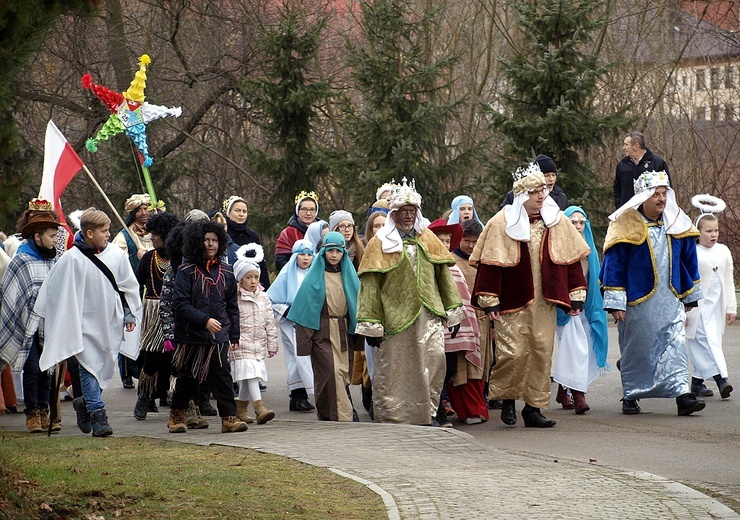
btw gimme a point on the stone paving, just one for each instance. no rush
(425, 473)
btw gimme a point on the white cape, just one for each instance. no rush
(84, 315)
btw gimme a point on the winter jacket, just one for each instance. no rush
(199, 296)
(628, 171)
(258, 329)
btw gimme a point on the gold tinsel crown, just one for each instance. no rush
(40, 205)
(306, 195)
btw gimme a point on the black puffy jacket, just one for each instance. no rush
(201, 295)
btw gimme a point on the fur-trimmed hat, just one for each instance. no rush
(248, 257)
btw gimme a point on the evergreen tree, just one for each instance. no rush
(23, 26)
(401, 128)
(284, 100)
(551, 104)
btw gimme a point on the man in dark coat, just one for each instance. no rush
(637, 160)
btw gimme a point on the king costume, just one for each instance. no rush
(407, 294)
(528, 266)
(650, 271)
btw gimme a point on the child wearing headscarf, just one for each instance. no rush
(463, 209)
(258, 335)
(582, 340)
(324, 311)
(282, 292)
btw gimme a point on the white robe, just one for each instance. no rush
(84, 315)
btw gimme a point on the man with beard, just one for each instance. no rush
(650, 278)
(407, 295)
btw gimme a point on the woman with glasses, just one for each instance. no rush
(306, 211)
(343, 222)
(582, 340)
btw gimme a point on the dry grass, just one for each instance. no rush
(93, 479)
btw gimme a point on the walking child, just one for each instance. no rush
(206, 325)
(282, 293)
(91, 307)
(324, 311)
(706, 325)
(258, 335)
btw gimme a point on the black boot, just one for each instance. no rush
(141, 408)
(100, 426)
(83, 417)
(204, 403)
(688, 404)
(153, 405)
(299, 401)
(508, 411)
(725, 388)
(367, 397)
(533, 418)
(698, 388)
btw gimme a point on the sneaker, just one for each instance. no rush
(141, 408)
(100, 426)
(83, 417)
(630, 407)
(476, 419)
(232, 424)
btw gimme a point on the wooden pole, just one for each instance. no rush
(110, 204)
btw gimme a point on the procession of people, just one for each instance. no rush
(437, 321)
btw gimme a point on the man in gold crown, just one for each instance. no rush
(650, 278)
(528, 260)
(407, 296)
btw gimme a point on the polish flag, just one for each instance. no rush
(61, 163)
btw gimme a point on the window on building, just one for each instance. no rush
(729, 77)
(716, 78)
(701, 79)
(701, 113)
(729, 112)
(716, 112)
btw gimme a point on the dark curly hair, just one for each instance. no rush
(193, 236)
(161, 224)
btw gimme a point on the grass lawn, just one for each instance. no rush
(96, 479)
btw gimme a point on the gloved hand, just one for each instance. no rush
(168, 346)
(374, 341)
(454, 330)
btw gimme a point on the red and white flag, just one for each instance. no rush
(61, 163)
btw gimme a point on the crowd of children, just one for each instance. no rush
(192, 304)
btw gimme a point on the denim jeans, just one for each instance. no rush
(91, 390)
(36, 384)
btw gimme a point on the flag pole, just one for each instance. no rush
(110, 204)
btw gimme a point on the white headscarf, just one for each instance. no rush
(675, 220)
(515, 214)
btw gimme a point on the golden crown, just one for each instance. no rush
(40, 205)
(651, 179)
(306, 195)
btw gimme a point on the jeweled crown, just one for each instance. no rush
(527, 179)
(40, 205)
(651, 179)
(404, 193)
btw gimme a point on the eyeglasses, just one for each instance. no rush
(307, 210)
(539, 191)
(578, 222)
(345, 227)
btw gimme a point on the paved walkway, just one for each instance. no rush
(426, 473)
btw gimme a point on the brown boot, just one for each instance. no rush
(242, 411)
(44, 415)
(33, 422)
(263, 414)
(580, 403)
(193, 420)
(231, 424)
(176, 423)
(563, 398)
